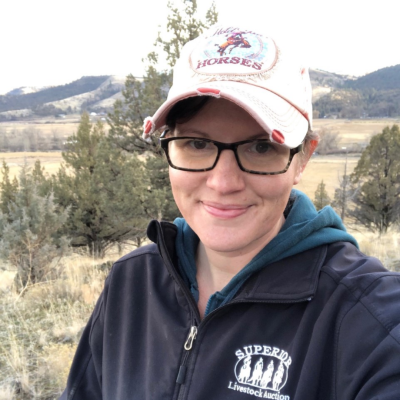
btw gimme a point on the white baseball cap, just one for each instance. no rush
(249, 69)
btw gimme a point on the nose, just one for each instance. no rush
(226, 177)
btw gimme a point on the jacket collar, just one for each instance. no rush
(292, 279)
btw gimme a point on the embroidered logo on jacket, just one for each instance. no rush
(261, 371)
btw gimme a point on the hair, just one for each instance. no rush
(186, 109)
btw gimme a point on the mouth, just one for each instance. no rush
(225, 211)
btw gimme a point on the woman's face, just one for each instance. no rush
(230, 210)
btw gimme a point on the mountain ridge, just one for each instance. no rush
(376, 94)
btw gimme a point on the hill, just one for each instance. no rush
(73, 97)
(373, 95)
(383, 79)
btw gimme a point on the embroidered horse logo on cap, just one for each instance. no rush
(234, 52)
(235, 40)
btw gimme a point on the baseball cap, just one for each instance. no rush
(250, 69)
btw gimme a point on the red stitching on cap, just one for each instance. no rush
(148, 126)
(208, 90)
(278, 136)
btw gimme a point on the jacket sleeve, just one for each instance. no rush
(84, 380)
(368, 357)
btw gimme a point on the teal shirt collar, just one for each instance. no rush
(304, 229)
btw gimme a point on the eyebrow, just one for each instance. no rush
(185, 131)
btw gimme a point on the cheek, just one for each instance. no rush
(183, 185)
(273, 187)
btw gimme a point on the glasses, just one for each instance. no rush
(259, 156)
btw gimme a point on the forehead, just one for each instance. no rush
(222, 120)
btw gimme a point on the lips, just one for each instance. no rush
(225, 211)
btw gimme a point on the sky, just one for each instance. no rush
(52, 42)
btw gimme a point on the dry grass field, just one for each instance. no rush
(50, 161)
(356, 130)
(327, 168)
(40, 330)
(64, 127)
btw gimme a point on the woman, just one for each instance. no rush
(252, 293)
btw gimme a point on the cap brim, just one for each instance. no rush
(271, 111)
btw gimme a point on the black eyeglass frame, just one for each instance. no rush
(224, 146)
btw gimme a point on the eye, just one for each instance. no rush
(198, 144)
(261, 147)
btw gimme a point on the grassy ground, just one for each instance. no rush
(327, 168)
(355, 130)
(50, 161)
(62, 127)
(40, 330)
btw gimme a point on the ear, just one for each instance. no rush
(303, 160)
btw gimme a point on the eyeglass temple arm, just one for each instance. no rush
(162, 136)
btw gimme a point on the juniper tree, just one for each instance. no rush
(108, 191)
(344, 194)
(377, 203)
(8, 188)
(184, 24)
(321, 197)
(30, 239)
(142, 97)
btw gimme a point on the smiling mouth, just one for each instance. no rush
(225, 211)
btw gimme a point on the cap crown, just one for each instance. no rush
(232, 53)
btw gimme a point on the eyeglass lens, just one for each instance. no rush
(256, 155)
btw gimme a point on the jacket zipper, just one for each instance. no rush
(187, 346)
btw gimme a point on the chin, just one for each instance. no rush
(228, 240)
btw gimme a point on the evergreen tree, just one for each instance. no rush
(321, 197)
(377, 203)
(108, 191)
(30, 237)
(142, 97)
(344, 194)
(43, 184)
(183, 26)
(8, 189)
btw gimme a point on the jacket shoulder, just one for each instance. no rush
(371, 286)
(150, 249)
(349, 266)
(367, 330)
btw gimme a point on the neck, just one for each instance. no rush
(215, 268)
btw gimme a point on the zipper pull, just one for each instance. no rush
(188, 346)
(191, 338)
